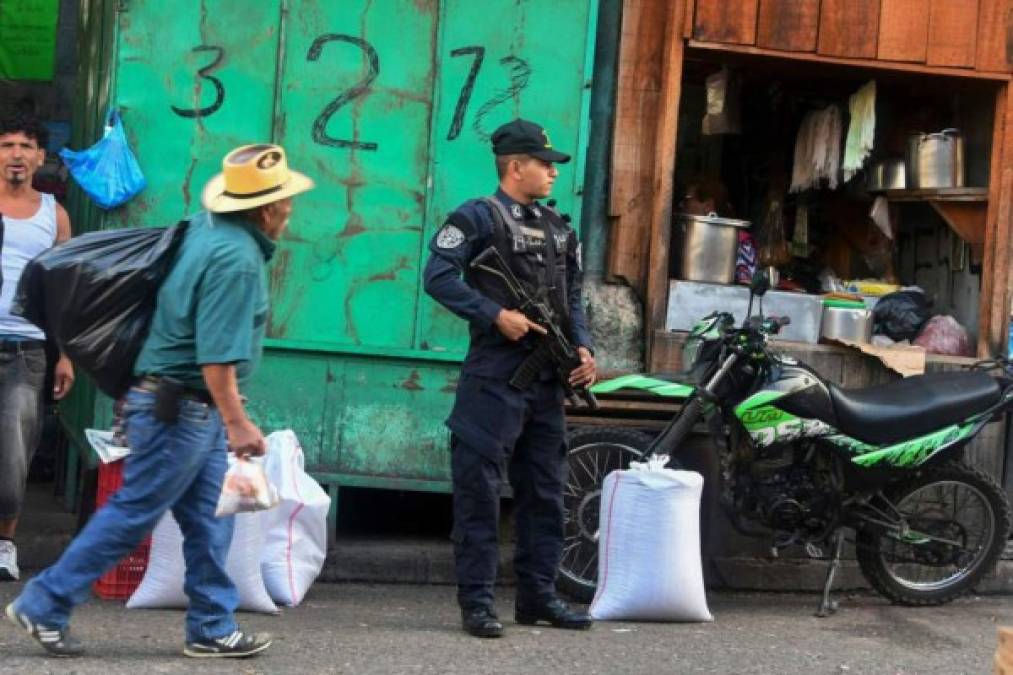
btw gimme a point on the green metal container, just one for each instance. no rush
(388, 105)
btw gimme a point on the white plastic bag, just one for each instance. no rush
(649, 547)
(295, 533)
(245, 488)
(162, 585)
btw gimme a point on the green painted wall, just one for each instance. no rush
(388, 104)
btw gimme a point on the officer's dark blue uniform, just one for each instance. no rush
(494, 425)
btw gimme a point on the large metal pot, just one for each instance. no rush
(709, 247)
(887, 174)
(935, 160)
(846, 323)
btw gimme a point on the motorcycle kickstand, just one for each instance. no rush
(828, 606)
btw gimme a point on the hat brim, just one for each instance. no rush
(215, 200)
(551, 156)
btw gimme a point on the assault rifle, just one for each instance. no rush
(554, 349)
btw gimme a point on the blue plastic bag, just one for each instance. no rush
(108, 170)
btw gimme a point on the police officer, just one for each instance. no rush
(496, 427)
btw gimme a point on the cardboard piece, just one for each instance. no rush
(906, 360)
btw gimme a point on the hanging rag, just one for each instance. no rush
(861, 129)
(817, 150)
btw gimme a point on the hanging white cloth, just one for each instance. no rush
(818, 150)
(861, 129)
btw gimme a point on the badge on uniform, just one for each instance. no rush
(449, 237)
(516, 212)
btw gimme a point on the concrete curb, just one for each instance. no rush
(432, 562)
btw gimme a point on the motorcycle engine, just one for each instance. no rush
(785, 493)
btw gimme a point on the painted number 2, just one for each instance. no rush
(358, 89)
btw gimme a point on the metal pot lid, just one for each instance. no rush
(712, 218)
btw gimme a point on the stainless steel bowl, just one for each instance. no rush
(886, 174)
(843, 323)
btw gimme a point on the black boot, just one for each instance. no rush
(552, 611)
(481, 622)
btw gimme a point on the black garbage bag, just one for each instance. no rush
(901, 315)
(94, 296)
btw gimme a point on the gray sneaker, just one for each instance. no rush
(56, 641)
(237, 645)
(8, 561)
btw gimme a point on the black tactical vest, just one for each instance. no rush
(535, 250)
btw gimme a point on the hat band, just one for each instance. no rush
(254, 195)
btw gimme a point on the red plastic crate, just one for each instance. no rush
(121, 581)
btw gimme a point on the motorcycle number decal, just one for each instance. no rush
(789, 431)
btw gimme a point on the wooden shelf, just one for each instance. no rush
(962, 194)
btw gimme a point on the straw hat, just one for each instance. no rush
(253, 175)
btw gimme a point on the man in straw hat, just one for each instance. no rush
(185, 411)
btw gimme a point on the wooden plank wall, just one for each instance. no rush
(633, 151)
(952, 33)
(788, 25)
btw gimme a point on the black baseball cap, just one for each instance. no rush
(522, 137)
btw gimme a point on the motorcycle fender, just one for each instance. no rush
(644, 383)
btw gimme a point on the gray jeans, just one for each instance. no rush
(22, 377)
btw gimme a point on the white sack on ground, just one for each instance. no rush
(649, 546)
(162, 586)
(295, 532)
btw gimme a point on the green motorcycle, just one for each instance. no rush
(800, 461)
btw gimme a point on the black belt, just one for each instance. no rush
(151, 383)
(21, 345)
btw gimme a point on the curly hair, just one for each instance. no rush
(29, 125)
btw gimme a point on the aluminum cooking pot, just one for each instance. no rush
(935, 160)
(709, 247)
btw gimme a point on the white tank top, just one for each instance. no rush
(23, 239)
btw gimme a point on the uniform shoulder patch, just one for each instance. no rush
(449, 236)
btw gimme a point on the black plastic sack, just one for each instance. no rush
(901, 315)
(94, 295)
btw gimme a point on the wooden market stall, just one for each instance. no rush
(951, 49)
(958, 52)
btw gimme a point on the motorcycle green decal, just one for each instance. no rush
(651, 385)
(755, 410)
(768, 425)
(906, 453)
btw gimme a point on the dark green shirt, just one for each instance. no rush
(212, 307)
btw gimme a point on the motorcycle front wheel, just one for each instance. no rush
(956, 524)
(594, 453)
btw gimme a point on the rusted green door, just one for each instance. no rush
(388, 105)
(355, 105)
(501, 60)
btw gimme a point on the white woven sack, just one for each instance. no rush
(649, 546)
(162, 585)
(295, 532)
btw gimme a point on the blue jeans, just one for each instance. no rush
(177, 466)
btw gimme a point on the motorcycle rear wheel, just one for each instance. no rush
(594, 453)
(954, 502)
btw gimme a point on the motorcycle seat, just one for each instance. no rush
(912, 407)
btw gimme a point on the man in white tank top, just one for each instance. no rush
(32, 223)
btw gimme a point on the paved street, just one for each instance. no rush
(352, 628)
